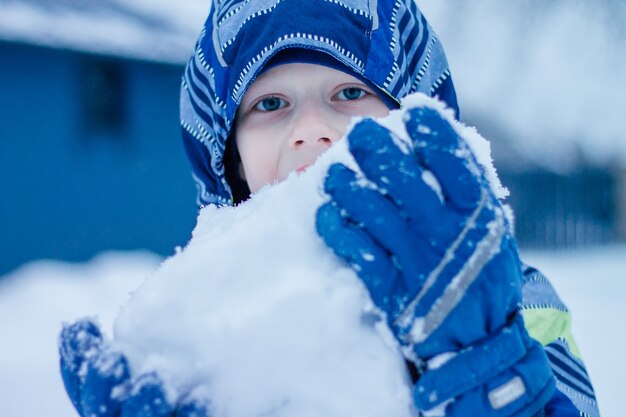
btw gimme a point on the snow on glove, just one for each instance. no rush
(98, 382)
(439, 260)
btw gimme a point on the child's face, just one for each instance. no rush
(293, 113)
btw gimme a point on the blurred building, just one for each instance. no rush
(90, 150)
(91, 157)
(583, 205)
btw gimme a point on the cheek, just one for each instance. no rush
(381, 110)
(258, 157)
(370, 107)
(375, 107)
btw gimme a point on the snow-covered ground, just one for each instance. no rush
(36, 298)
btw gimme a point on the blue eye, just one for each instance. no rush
(270, 104)
(351, 93)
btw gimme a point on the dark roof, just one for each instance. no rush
(142, 29)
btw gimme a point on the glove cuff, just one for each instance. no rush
(498, 375)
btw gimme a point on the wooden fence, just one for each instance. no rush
(556, 211)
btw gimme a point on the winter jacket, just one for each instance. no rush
(548, 320)
(386, 42)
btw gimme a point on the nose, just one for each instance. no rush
(314, 128)
(323, 141)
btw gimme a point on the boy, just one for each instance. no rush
(271, 85)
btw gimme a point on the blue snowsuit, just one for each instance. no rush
(387, 43)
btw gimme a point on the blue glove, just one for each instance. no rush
(98, 382)
(440, 262)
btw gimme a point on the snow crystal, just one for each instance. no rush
(438, 361)
(417, 330)
(430, 180)
(439, 411)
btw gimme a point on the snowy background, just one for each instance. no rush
(567, 57)
(36, 298)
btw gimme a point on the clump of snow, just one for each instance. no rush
(258, 316)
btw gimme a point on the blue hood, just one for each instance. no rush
(387, 42)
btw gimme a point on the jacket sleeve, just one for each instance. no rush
(548, 320)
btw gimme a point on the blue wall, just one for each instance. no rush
(68, 190)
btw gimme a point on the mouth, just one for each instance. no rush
(302, 168)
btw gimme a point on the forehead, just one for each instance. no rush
(301, 74)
